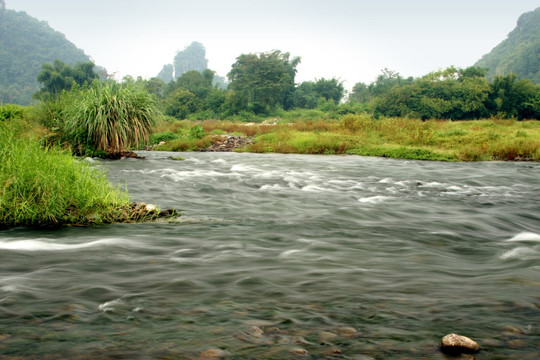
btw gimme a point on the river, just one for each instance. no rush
(286, 256)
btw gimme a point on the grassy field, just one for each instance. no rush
(478, 140)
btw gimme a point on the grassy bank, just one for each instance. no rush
(48, 187)
(478, 140)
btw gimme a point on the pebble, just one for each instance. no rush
(347, 331)
(298, 351)
(213, 354)
(458, 344)
(326, 336)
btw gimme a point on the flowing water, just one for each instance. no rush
(284, 257)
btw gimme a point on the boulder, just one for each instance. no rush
(457, 344)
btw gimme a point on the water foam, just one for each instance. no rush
(525, 236)
(43, 245)
(374, 199)
(521, 253)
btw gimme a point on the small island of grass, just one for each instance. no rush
(43, 185)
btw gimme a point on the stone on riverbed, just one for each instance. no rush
(214, 354)
(457, 344)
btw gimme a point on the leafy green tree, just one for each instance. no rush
(515, 98)
(155, 86)
(59, 77)
(387, 80)
(198, 83)
(330, 89)
(215, 100)
(305, 96)
(265, 80)
(360, 93)
(180, 103)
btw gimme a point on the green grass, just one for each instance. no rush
(49, 187)
(440, 140)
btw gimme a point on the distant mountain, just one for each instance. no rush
(519, 53)
(25, 44)
(193, 57)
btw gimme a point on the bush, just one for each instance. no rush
(108, 117)
(163, 136)
(10, 112)
(196, 132)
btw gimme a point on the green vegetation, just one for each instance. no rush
(455, 94)
(104, 117)
(25, 45)
(363, 135)
(61, 77)
(518, 53)
(262, 81)
(49, 187)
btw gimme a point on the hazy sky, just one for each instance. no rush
(349, 40)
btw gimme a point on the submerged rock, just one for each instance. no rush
(457, 344)
(213, 354)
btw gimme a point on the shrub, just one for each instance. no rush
(109, 117)
(196, 132)
(163, 136)
(10, 112)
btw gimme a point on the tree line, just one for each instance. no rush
(263, 84)
(454, 94)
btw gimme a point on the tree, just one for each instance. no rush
(305, 96)
(265, 80)
(198, 83)
(360, 93)
(515, 98)
(331, 89)
(59, 77)
(180, 103)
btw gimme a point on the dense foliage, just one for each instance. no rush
(519, 53)
(456, 94)
(25, 45)
(59, 77)
(262, 81)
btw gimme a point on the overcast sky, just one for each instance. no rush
(346, 39)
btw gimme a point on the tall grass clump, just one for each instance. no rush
(108, 117)
(49, 187)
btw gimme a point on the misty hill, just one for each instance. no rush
(25, 44)
(519, 53)
(193, 57)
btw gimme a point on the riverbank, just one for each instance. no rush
(439, 140)
(48, 187)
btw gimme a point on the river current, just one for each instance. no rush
(285, 257)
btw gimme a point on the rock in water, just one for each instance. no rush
(457, 344)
